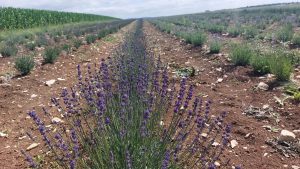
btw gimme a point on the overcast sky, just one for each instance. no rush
(135, 8)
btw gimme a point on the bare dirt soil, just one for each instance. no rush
(22, 94)
(233, 89)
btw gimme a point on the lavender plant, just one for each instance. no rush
(128, 114)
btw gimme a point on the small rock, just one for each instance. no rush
(233, 143)
(3, 134)
(285, 166)
(215, 144)
(217, 164)
(32, 146)
(265, 154)
(57, 120)
(219, 69)
(33, 96)
(263, 86)
(204, 135)
(298, 77)
(266, 106)
(295, 167)
(61, 79)
(219, 80)
(50, 82)
(287, 136)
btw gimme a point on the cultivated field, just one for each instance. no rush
(219, 89)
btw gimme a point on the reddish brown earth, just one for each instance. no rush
(234, 94)
(23, 94)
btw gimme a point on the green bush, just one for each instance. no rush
(77, 43)
(260, 64)
(7, 51)
(66, 47)
(215, 47)
(197, 39)
(234, 31)
(90, 39)
(285, 33)
(250, 32)
(51, 55)
(213, 28)
(41, 41)
(281, 66)
(30, 45)
(102, 33)
(24, 64)
(241, 54)
(296, 40)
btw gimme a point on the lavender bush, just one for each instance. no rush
(128, 114)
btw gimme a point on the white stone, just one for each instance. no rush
(215, 144)
(61, 79)
(287, 136)
(219, 80)
(295, 167)
(298, 77)
(33, 96)
(263, 86)
(57, 120)
(204, 135)
(217, 164)
(32, 146)
(3, 134)
(233, 143)
(219, 69)
(266, 106)
(50, 82)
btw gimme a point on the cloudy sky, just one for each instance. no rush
(135, 8)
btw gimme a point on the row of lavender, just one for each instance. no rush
(127, 114)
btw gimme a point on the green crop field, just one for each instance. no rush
(16, 18)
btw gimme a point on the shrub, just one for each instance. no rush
(260, 64)
(30, 45)
(281, 66)
(41, 40)
(213, 28)
(90, 39)
(51, 55)
(198, 38)
(77, 43)
(285, 33)
(241, 54)
(234, 31)
(102, 33)
(24, 64)
(7, 51)
(250, 32)
(296, 40)
(215, 47)
(66, 47)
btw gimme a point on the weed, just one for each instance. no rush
(285, 33)
(260, 64)
(7, 51)
(77, 43)
(215, 47)
(241, 54)
(51, 55)
(281, 66)
(198, 38)
(24, 64)
(90, 39)
(30, 45)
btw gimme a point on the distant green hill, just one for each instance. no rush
(16, 18)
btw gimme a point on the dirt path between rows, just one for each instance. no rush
(30, 92)
(233, 94)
